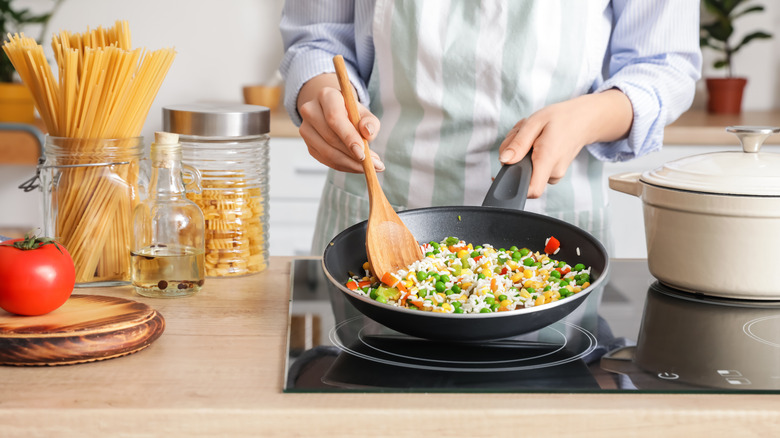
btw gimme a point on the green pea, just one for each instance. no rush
(564, 282)
(481, 276)
(561, 265)
(477, 247)
(513, 248)
(516, 256)
(364, 289)
(455, 288)
(501, 250)
(440, 287)
(548, 287)
(381, 299)
(530, 290)
(528, 262)
(412, 306)
(555, 274)
(494, 307)
(457, 310)
(456, 304)
(484, 310)
(524, 252)
(474, 254)
(422, 293)
(490, 299)
(435, 275)
(429, 254)
(502, 297)
(578, 267)
(444, 278)
(434, 244)
(502, 260)
(421, 275)
(372, 294)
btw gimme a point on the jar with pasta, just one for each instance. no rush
(228, 144)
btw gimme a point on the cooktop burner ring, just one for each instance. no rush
(557, 351)
(750, 329)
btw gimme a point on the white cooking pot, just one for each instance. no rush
(712, 221)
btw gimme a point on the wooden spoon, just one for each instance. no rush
(390, 246)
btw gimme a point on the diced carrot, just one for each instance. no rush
(389, 279)
(493, 284)
(352, 285)
(364, 283)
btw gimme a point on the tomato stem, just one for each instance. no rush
(31, 241)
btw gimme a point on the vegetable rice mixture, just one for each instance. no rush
(457, 277)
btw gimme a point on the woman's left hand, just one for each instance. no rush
(558, 132)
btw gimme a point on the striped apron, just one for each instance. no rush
(450, 79)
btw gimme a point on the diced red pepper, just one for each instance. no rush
(552, 245)
(352, 285)
(364, 283)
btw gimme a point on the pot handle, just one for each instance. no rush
(627, 183)
(510, 187)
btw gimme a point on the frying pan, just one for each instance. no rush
(500, 222)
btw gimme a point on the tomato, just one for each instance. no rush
(36, 275)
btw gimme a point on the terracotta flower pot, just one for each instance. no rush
(16, 103)
(725, 95)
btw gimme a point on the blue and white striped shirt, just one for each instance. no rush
(653, 56)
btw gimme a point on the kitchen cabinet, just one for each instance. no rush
(218, 370)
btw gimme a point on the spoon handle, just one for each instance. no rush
(354, 117)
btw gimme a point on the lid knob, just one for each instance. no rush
(752, 137)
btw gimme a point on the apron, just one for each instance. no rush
(449, 91)
(449, 80)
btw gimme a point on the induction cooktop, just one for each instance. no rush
(632, 335)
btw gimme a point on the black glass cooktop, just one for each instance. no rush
(634, 334)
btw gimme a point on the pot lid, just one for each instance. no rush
(745, 173)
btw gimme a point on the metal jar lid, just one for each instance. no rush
(217, 120)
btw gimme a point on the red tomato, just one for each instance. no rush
(35, 281)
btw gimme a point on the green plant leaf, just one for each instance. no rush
(721, 63)
(760, 35)
(747, 11)
(718, 30)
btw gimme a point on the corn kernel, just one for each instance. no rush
(465, 285)
(570, 287)
(547, 294)
(408, 283)
(462, 253)
(528, 273)
(511, 264)
(555, 295)
(539, 300)
(524, 293)
(543, 272)
(447, 307)
(577, 289)
(505, 304)
(486, 272)
(586, 284)
(516, 277)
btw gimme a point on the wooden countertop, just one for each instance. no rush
(695, 127)
(218, 370)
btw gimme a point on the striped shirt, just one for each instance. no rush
(653, 56)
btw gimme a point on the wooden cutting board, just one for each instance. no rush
(86, 328)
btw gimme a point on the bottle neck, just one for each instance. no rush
(166, 178)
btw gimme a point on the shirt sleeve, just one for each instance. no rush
(313, 33)
(655, 59)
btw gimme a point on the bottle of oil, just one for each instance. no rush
(168, 229)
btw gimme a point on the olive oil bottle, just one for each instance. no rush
(168, 229)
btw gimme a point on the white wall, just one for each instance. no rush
(222, 45)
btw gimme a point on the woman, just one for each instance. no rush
(460, 87)
(451, 90)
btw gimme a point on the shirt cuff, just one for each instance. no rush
(647, 127)
(307, 65)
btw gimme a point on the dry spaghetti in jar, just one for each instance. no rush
(228, 144)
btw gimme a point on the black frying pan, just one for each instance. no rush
(497, 222)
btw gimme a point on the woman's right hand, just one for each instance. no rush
(329, 134)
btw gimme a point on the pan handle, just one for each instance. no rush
(510, 188)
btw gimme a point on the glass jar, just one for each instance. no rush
(91, 187)
(228, 144)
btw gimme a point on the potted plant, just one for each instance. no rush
(725, 94)
(16, 104)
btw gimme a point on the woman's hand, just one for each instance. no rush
(558, 132)
(327, 130)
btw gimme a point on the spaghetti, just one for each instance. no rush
(94, 111)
